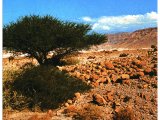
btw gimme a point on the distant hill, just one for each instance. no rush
(138, 39)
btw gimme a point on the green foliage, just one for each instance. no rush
(38, 36)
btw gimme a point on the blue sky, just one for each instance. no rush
(104, 15)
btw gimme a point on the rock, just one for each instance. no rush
(77, 95)
(66, 104)
(70, 108)
(145, 96)
(114, 77)
(147, 70)
(110, 96)
(108, 79)
(145, 86)
(95, 84)
(98, 72)
(125, 76)
(117, 70)
(78, 74)
(141, 74)
(87, 76)
(51, 113)
(117, 109)
(88, 71)
(97, 98)
(95, 77)
(91, 57)
(104, 73)
(117, 103)
(128, 82)
(137, 63)
(69, 101)
(102, 80)
(109, 65)
(82, 77)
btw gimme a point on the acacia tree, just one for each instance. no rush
(37, 36)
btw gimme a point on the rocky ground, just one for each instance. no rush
(124, 87)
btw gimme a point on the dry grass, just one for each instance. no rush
(39, 88)
(70, 61)
(89, 112)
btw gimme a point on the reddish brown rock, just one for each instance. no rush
(108, 79)
(69, 101)
(87, 76)
(104, 73)
(147, 70)
(95, 84)
(128, 82)
(102, 80)
(71, 108)
(125, 76)
(117, 109)
(109, 65)
(77, 95)
(97, 98)
(66, 104)
(110, 96)
(114, 77)
(137, 63)
(95, 77)
(140, 74)
(78, 74)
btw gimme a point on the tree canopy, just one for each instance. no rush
(38, 35)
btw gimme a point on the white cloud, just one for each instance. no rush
(152, 15)
(109, 23)
(87, 19)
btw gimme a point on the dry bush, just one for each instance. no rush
(70, 61)
(90, 112)
(125, 114)
(123, 55)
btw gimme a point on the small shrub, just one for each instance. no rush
(70, 61)
(125, 114)
(123, 55)
(90, 112)
(114, 50)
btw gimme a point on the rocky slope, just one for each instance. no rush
(135, 40)
(124, 85)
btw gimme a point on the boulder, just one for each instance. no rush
(147, 70)
(102, 80)
(95, 77)
(128, 82)
(114, 77)
(125, 76)
(141, 74)
(97, 98)
(109, 65)
(77, 95)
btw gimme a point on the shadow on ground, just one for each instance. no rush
(42, 88)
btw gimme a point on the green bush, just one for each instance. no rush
(38, 36)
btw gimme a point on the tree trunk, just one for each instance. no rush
(40, 57)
